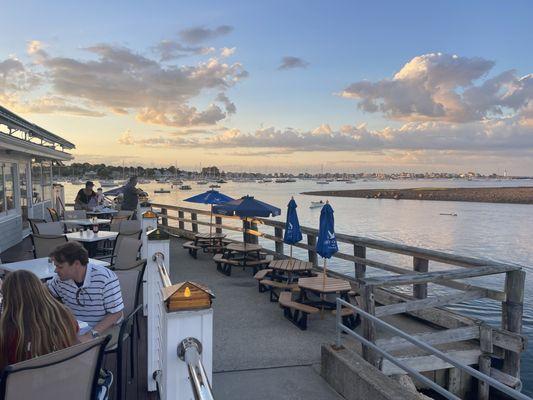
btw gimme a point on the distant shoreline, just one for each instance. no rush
(511, 195)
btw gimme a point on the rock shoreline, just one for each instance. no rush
(512, 195)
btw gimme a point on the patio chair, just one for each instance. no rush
(116, 220)
(50, 228)
(75, 214)
(130, 284)
(33, 222)
(125, 213)
(71, 373)
(54, 216)
(129, 226)
(125, 251)
(44, 244)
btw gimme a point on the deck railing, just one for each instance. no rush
(379, 295)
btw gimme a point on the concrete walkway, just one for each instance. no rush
(258, 354)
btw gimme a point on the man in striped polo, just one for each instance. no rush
(91, 292)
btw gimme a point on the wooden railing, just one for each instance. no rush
(379, 299)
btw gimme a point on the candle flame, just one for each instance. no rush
(187, 292)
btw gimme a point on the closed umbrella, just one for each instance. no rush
(210, 197)
(293, 233)
(246, 207)
(326, 245)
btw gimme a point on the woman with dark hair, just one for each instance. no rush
(32, 323)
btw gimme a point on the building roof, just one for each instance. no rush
(26, 137)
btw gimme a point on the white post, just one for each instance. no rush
(154, 306)
(148, 223)
(180, 325)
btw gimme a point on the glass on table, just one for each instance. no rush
(51, 266)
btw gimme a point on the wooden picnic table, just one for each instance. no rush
(243, 252)
(209, 240)
(289, 268)
(316, 286)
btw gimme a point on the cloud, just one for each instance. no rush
(227, 52)
(200, 34)
(171, 50)
(126, 138)
(441, 87)
(291, 62)
(119, 80)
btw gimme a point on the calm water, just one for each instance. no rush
(495, 231)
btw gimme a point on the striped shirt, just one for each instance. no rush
(99, 295)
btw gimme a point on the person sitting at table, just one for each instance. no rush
(32, 322)
(85, 196)
(91, 292)
(100, 198)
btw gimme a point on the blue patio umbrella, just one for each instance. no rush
(293, 233)
(210, 197)
(326, 244)
(246, 207)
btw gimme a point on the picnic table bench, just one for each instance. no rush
(295, 312)
(283, 286)
(259, 276)
(192, 248)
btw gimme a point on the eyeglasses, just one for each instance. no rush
(79, 294)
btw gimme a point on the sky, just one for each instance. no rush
(297, 86)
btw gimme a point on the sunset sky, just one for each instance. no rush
(278, 85)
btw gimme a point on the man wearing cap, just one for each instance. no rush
(86, 197)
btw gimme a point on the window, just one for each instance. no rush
(2, 192)
(23, 193)
(10, 172)
(37, 190)
(47, 180)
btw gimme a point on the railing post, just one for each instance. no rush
(360, 269)
(369, 328)
(164, 219)
(218, 221)
(181, 224)
(420, 290)
(512, 310)
(253, 238)
(245, 236)
(194, 217)
(311, 242)
(278, 232)
(486, 347)
(148, 223)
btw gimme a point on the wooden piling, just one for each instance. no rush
(278, 232)
(360, 268)
(218, 221)
(164, 219)
(181, 224)
(513, 309)
(420, 290)
(369, 328)
(194, 217)
(311, 252)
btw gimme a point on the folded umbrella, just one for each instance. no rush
(293, 233)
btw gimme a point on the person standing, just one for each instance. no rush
(131, 195)
(91, 292)
(86, 197)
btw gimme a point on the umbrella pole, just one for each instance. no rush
(324, 270)
(211, 223)
(291, 256)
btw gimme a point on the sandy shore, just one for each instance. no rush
(514, 195)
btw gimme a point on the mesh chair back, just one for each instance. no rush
(125, 213)
(127, 249)
(33, 224)
(128, 279)
(116, 221)
(54, 216)
(130, 226)
(44, 244)
(70, 373)
(75, 214)
(50, 228)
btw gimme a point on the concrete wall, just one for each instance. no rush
(355, 379)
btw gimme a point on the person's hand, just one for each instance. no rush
(85, 338)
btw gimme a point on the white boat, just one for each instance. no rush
(215, 186)
(316, 204)
(185, 187)
(322, 182)
(162, 190)
(107, 183)
(202, 182)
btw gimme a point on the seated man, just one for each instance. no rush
(86, 197)
(91, 292)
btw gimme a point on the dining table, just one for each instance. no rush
(86, 222)
(42, 267)
(89, 239)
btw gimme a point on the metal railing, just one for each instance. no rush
(340, 327)
(189, 351)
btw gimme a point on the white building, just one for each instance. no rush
(27, 153)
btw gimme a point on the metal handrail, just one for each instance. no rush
(340, 327)
(159, 258)
(189, 351)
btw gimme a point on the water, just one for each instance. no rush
(495, 231)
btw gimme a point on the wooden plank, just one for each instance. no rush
(435, 276)
(485, 339)
(512, 318)
(454, 381)
(420, 290)
(431, 302)
(432, 338)
(483, 388)
(431, 362)
(506, 379)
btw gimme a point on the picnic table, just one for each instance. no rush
(315, 285)
(40, 266)
(209, 240)
(289, 269)
(243, 252)
(89, 239)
